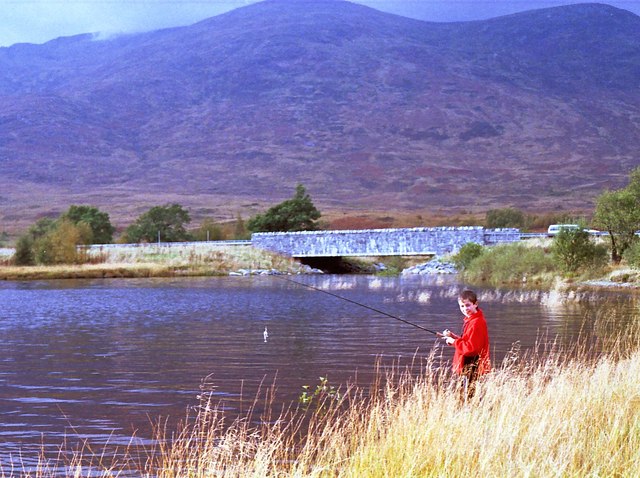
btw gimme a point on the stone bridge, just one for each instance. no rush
(436, 241)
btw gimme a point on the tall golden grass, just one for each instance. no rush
(195, 259)
(561, 412)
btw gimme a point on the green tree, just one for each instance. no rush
(160, 223)
(295, 214)
(24, 255)
(618, 213)
(41, 227)
(59, 244)
(505, 217)
(634, 182)
(50, 241)
(101, 228)
(632, 255)
(573, 250)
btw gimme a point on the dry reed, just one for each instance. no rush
(194, 259)
(557, 412)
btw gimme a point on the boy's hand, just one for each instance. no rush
(449, 340)
(448, 333)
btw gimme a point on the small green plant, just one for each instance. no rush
(466, 255)
(320, 396)
(394, 265)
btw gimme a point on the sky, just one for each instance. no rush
(38, 21)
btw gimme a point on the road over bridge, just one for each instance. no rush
(436, 241)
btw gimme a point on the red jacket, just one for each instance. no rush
(474, 341)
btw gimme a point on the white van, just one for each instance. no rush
(556, 228)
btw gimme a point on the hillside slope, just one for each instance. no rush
(368, 110)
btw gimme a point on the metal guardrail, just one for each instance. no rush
(531, 235)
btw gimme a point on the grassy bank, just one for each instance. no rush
(554, 417)
(531, 263)
(557, 414)
(198, 259)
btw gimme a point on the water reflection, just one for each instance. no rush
(102, 360)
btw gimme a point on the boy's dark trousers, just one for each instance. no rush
(468, 377)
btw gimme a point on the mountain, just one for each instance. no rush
(370, 111)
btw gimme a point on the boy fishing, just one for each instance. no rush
(471, 358)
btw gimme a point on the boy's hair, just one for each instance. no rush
(468, 295)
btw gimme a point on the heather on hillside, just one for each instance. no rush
(371, 111)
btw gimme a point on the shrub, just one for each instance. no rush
(24, 252)
(573, 250)
(505, 217)
(509, 263)
(467, 254)
(209, 230)
(59, 245)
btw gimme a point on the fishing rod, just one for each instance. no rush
(362, 305)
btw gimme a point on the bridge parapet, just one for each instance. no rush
(380, 242)
(496, 236)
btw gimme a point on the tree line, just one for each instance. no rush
(55, 241)
(51, 241)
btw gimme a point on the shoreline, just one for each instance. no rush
(155, 270)
(197, 260)
(220, 260)
(128, 271)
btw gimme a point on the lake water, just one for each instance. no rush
(102, 360)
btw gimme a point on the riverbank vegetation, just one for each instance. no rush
(562, 411)
(572, 256)
(150, 260)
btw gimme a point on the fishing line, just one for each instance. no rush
(361, 305)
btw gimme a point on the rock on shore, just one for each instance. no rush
(304, 269)
(434, 266)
